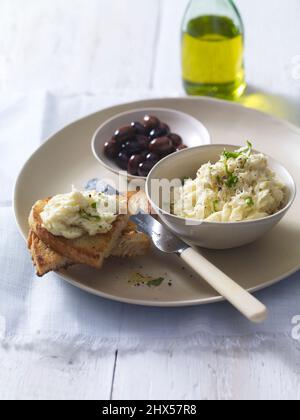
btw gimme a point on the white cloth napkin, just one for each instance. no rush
(50, 310)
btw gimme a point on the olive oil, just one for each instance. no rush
(212, 57)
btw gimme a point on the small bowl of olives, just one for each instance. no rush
(134, 142)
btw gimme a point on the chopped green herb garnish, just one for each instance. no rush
(219, 180)
(234, 155)
(94, 205)
(215, 204)
(137, 279)
(226, 168)
(155, 282)
(250, 145)
(249, 201)
(87, 216)
(232, 180)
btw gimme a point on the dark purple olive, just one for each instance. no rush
(122, 160)
(124, 134)
(157, 132)
(132, 147)
(133, 164)
(144, 153)
(172, 150)
(152, 157)
(111, 149)
(143, 142)
(165, 127)
(161, 146)
(138, 128)
(150, 122)
(176, 140)
(181, 147)
(145, 167)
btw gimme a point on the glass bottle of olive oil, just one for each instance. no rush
(213, 49)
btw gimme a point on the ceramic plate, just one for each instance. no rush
(66, 159)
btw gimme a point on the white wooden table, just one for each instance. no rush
(75, 46)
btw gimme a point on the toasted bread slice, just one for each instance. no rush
(130, 244)
(44, 258)
(89, 250)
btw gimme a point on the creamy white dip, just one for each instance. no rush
(78, 213)
(240, 186)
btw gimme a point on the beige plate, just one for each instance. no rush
(66, 159)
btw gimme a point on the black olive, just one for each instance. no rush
(124, 134)
(176, 140)
(172, 150)
(165, 127)
(152, 157)
(111, 149)
(122, 160)
(145, 167)
(144, 153)
(157, 132)
(134, 162)
(139, 128)
(150, 122)
(143, 142)
(140, 146)
(162, 146)
(133, 146)
(181, 147)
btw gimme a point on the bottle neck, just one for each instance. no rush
(213, 4)
(224, 8)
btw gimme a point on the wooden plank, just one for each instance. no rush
(167, 72)
(271, 32)
(55, 373)
(77, 45)
(269, 371)
(272, 57)
(164, 375)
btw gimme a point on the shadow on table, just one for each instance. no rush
(277, 105)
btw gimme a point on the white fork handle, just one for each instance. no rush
(243, 301)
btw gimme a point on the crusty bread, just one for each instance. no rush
(130, 244)
(44, 258)
(51, 253)
(89, 250)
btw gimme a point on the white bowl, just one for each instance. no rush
(213, 235)
(193, 132)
